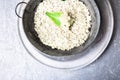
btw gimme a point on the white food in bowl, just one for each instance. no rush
(75, 23)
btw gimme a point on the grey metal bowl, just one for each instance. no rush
(28, 23)
(77, 57)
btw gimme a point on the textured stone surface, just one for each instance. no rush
(17, 64)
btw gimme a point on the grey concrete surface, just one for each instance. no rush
(17, 64)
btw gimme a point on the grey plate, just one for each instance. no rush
(73, 61)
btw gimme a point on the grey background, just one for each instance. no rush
(17, 64)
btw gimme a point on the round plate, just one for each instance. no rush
(90, 54)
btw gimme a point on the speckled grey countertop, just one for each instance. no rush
(17, 64)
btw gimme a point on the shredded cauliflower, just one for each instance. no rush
(75, 24)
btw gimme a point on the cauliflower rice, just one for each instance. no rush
(69, 34)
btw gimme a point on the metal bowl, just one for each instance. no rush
(74, 58)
